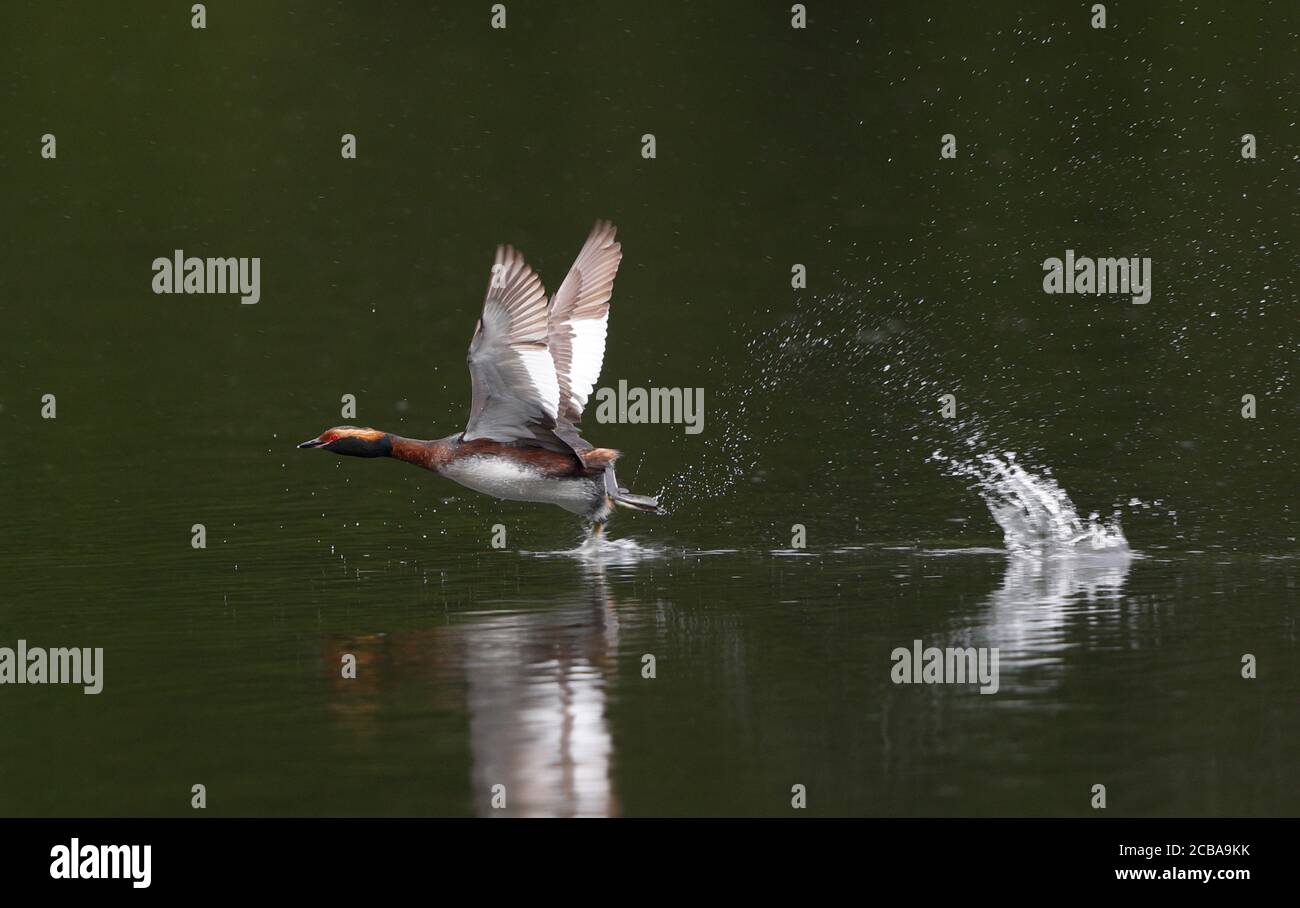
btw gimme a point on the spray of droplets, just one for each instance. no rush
(831, 377)
(834, 372)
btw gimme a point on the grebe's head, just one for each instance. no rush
(353, 441)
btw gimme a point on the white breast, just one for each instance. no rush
(518, 482)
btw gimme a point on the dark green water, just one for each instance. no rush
(523, 666)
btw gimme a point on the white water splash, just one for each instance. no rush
(1036, 516)
(601, 550)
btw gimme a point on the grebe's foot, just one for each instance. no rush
(594, 540)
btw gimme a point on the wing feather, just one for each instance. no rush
(578, 320)
(516, 395)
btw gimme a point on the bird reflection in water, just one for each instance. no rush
(534, 681)
(538, 682)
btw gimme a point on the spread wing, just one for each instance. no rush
(515, 392)
(578, 318)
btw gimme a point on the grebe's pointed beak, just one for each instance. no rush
(311, 443)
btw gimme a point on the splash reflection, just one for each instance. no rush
(1048, 606)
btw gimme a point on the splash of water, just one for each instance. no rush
(601, 550)
(865, 366)
(1037, 517)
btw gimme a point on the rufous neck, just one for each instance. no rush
(430, 455)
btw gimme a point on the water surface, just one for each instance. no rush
(523, 667)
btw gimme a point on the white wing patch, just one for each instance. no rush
(541, 375)
(579, 318)
(588, 338)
